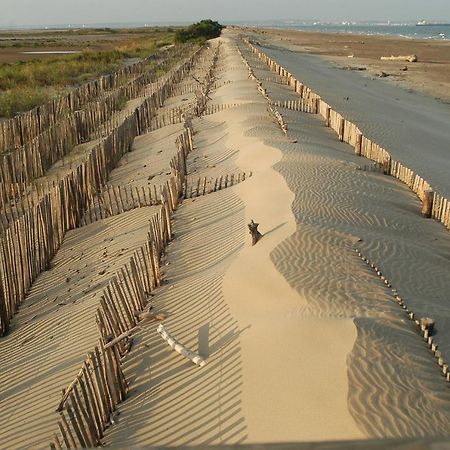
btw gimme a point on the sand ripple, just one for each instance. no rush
(394, 387)
(392, 399)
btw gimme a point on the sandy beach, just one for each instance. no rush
(303, 341)
(430, 74)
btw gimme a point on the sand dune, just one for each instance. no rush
(338, 209)
(173, 402)
(213, 269)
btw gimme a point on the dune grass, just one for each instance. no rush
(24, 85)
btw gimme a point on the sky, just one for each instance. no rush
(50, 12)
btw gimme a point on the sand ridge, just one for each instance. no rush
(263, 310)
(279, 362)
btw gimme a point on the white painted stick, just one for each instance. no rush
(180, 348)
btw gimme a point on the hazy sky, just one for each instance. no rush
(46, 12)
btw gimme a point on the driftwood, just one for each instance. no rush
(180, 348)
(142, 317)
(253, 229)
(357, 68)
(409, 58)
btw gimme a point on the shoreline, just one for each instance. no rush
(334, 29)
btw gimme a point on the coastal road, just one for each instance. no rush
(413, 127)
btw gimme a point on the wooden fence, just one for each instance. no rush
(12, 190)
(128, 293)
(348, 132)
(114, 200)
(216, 108)
(85, 416)
(271, 105)
(169, 117)
(31, 240)
(34, 234)
(18, 131)
(301, 105)
(33, 159)
(88, 404)
(423, 330)
(204, 185)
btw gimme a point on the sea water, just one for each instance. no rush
(411, 31)
(407, 30)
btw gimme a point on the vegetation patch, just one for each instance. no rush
(24, 85)
(200, 31)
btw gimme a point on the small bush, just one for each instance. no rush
(205, 29)
(121, 102)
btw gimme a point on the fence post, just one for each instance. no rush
(341, 128)
(358, 144)
(427, 203)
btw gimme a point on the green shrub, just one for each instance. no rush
(205, 29)
(121, 102)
